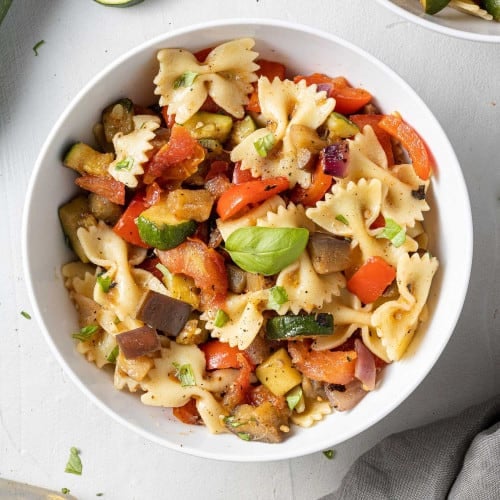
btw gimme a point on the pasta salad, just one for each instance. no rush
(251, 248)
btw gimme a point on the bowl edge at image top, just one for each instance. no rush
(444, 26)
(42, 279)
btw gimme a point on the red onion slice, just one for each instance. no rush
(335, 159)
(365, 370)
(325, 87)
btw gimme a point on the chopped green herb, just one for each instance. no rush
(231, 421)
(185, 80)
(293, 397)
(65, 491)
(163, 270)
(74, 465)
(99, 494)
(277, 297)
(113, 355)
(221, 318)
(85, 333)
(26, 315)
(105, 282)
(184, 374)
(125, 164)
(37, 46)
(329, 454)
(264, 145)
(342, 218)
(393, 232)
(244, 435)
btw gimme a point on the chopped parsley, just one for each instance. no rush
(26, 315)
(342, 218)
(184, 374)
(74, 465)
(37, 46)
(113, 355)
(221, 318)
(329, 454)
(393, 232)
(264, 145)
(277, 297)
(105, 282)
(185, 80)
(125, 164)
(65, 491)
(244, 435)
(85, 333)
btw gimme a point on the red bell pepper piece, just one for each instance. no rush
(126, 227)
(371, 279)
(411, 141)
(108, 187)
(240, 196)
(271, 70)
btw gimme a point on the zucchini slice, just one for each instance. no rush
(293, 326)
(118, 117)
(340, 127)
(86, 160)
(204, 125)
(159, 228)
(73, 215)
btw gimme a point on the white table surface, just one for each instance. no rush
(43, 414)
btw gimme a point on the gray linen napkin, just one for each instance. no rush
(456, 458)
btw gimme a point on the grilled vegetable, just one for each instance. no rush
(277, 373)
(204, 125)
(241, 129)
(86, 160)
(292, 326)
(190, 204)
(73, 215)
(164, 313)
(138, 342)
(104, 209)
(328, 253)
(340, 127)
(118, 117)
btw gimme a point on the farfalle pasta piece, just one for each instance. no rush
(314, 412)
(306, 289)
(358, 204)
(107, 250)
(98, 348)
(162, 388)
(245, 318)
(132, 148)
(398, 202)
(397, 320)
(226, 75)
(290, 216)
(284, 105)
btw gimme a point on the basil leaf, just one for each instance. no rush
(221, 318)
(266, 250)
(184, 374)
(74, 465)
(185, 80)
(342, 218)
(277, 297)
(125, 164)
(37, 46)
(244, 436)
(26, 315)
(113, 354)
(329, 454)
(394, 232)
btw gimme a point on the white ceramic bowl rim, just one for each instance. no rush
(250, 452)
(432, 23)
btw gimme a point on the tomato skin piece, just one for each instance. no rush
(411, 141)
(126, 227)
(240, 196)
(320, 184)
(107, 187)
(220, 355)
(371, 279)
(333, 367)
(205, 265)
(240, 175)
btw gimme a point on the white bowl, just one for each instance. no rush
(448, 21)
(303, 50)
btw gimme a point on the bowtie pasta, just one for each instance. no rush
(251, 250)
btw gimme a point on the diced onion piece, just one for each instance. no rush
(365, 370)
(335, 159)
